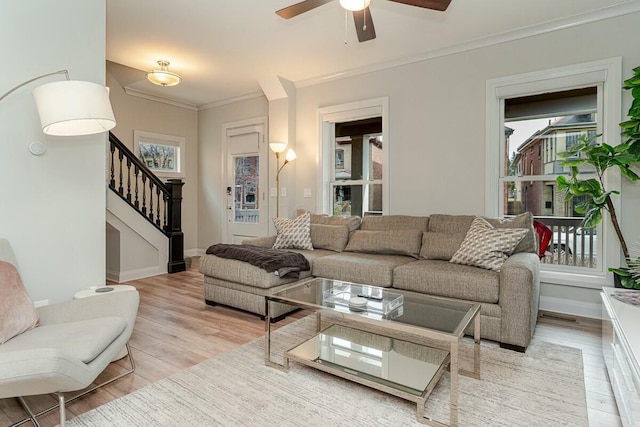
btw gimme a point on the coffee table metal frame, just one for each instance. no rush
(452, 340)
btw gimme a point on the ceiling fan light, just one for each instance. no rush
(355, 5)
(163, 77)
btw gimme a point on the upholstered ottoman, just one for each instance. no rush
(241, 285)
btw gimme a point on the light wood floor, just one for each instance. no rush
(175, 330)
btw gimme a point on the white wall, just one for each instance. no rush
(133, 113)
(437, 126)
(53, 206)
(211, 204)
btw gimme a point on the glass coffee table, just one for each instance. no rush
(395, 341)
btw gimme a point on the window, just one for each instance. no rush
(549, 111)
(162, 154)
(536, 191)
(357, 174)
(354, 158)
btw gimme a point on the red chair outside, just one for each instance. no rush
(544, 238)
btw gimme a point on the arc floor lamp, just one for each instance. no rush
(278, 148)
(71, 107)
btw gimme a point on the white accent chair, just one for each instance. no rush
(72, 345)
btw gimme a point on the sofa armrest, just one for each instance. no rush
(519, 298)
(265, 242)
(120, 304)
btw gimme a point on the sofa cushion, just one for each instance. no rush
(83, 340)
(395, 222)
(525, 220)
(352, 222)
(450, 224)
(487, 247)
(17, 313)
(440, 245)
(369, 269)
(391, 242)
(442, 278)
(293, 233)
(331, 237)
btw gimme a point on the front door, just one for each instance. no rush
(247, 172)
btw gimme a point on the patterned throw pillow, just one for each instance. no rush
(487, 247)
(293, 233)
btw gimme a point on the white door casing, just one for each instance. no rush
(246, 180)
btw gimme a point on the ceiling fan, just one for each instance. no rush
(361, 13)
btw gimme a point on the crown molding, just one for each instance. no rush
(632, 6)
(227, 101)
(151, 97)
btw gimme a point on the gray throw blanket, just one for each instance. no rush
(286, 264)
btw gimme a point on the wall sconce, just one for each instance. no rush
(71, 108)
(278, 148)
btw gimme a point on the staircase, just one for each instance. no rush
(146, 213)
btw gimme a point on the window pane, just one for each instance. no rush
(533, 145)
(375, 198)
(375, 157)
(246, 200)
(347, 200)
(570, 244)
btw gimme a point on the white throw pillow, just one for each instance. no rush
(293, 233)
(487, 247)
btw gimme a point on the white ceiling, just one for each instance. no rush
(223, 48)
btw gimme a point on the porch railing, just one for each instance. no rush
(158, 202)
(571, 244)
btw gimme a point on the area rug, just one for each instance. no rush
(543, 387)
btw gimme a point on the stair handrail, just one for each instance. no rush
(139, 163)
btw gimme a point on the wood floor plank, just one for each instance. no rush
(175, 329)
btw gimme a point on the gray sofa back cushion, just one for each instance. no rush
(395, 222)
(389, 242)
(529, 242)
(450, 225)
(440, 245)
(331, 237)
(352, 222)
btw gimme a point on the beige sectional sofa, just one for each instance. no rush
(413, 253)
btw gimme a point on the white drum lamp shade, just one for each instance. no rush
(69, 108)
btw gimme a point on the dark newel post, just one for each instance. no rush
(174, 227)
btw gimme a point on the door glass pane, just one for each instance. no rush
(246, 200)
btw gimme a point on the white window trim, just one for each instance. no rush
(160, 139)
(608, 73)
(327, 117)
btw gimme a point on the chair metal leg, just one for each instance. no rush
(32, 417)
(63, 415)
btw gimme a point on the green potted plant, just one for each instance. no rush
(602, 157)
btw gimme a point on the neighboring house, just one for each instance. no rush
(538, 155)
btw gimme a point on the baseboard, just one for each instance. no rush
(127, 276)
(575, 308)
(193, 252)
(197, 252)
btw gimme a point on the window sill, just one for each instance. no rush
(593, 280)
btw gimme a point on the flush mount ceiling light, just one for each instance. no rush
(163, 77)
(355, 5)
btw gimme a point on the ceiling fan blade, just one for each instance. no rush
(440, 5)
(302, 7)
(364, 25)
